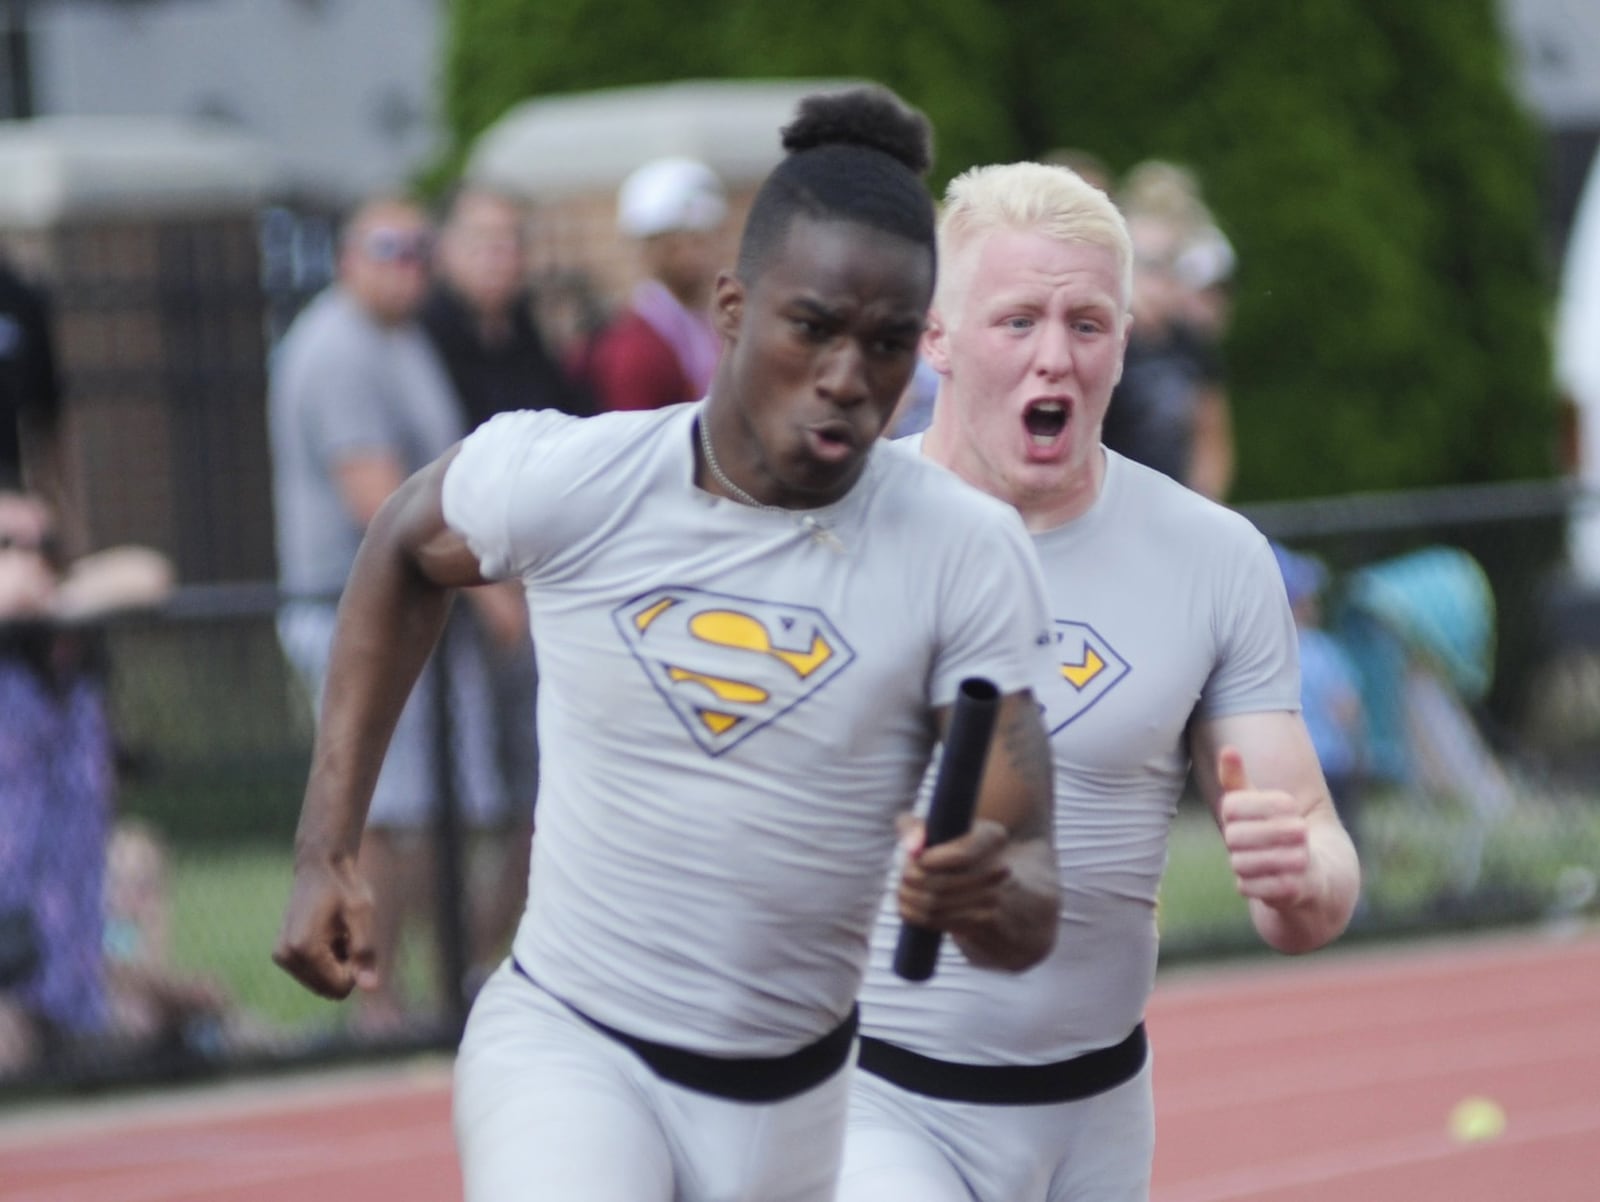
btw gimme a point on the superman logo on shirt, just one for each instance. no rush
(1089, 668)
(728, 666)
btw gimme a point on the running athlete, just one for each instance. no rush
(1174, 647)
(745, 653)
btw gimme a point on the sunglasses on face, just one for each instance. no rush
(397, 246)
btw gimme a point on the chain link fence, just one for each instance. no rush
(1478, 657)
(179, 888)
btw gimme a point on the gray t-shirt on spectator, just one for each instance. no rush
(342, 385)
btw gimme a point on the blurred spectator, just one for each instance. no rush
(915, 410)
(480, 315)
(30, 394)
(1577, 367)
(570, 315)
(153, 1005)
(359, 400)
(1170, 411)
(661, 349)
(1089, 166)
(1420, 628)
(57, 778)
(1330, 689)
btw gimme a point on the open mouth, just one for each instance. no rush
(1045, 421)
(832, 441)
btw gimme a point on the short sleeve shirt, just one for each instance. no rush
(733, 710)
(1167, 609)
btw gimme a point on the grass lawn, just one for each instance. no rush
(1421, 862)
(226, 904)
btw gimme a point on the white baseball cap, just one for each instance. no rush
(1208, 260)
(670, 194)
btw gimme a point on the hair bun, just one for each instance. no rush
(870, 116)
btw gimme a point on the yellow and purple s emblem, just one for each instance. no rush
(1091, 668)
(728, 666)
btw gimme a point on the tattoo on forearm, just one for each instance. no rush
(1022, 740)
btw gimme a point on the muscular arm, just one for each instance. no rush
(1290, 854)
(366, 481)
(995, 890)
(390, 617)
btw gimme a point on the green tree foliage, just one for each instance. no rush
(946, 56)
(501, 51)
(1366, 157)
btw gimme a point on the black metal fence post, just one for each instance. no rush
(449, 846)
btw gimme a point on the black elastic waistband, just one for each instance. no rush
(1007, 1084)
(740, 1079)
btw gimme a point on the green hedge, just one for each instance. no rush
(1367, 157)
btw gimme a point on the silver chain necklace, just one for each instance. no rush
(807, 522)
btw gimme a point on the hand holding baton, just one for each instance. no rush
(955, 797)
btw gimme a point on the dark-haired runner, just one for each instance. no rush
(747, 646)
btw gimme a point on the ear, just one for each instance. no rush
(727, 305)
(936, 343)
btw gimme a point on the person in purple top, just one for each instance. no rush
(55, 798)
(57, 779)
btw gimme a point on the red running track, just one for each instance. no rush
(1333, 1078)
(1295, 1081)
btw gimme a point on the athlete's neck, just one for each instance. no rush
(1041, 509)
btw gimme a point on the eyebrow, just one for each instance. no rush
(816, 308)
(1013, 298)
(1032, 302)
(827, 314)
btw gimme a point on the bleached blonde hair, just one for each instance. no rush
(1042, 198)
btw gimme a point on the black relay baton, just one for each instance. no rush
(955, 796)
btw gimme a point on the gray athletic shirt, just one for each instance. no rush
(1167, 607)
(732, 712)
